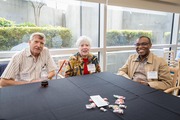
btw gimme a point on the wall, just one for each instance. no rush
(20, 11)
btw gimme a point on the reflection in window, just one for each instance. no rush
(132, 23)
(62, 21)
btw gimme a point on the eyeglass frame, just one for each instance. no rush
(141, 44)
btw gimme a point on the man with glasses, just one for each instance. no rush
(147, 68)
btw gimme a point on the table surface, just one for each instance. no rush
(65, 99)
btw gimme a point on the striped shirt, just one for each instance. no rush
(24, 66)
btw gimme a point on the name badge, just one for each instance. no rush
(91, 68)
(152, 75)
(25, 76)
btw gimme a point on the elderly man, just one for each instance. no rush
(147, 68)
(26, 66)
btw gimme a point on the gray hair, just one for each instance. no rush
(41, 35)
(83, 39)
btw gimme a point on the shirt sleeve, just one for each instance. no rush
(13, 68)
(51, 65)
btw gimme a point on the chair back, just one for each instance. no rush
(169, 56)
(175, 76)
(62, 65)
(173, 90)
(2, 68)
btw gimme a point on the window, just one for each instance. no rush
(62, 21)
(125, 25)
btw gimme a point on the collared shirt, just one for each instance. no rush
(154, 63)
(140, 72)
(24, 66)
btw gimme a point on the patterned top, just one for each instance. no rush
(75, 65)
(23, 66)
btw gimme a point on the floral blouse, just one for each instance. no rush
(75, 65)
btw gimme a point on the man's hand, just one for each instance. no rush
(144, 83)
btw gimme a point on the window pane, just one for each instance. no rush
(62, 21)
(125, 25)
(116, 60)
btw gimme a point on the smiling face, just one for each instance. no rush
(36, 45)
(143, 46)
(84, 49)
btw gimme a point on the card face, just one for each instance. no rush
(152, 75)
(98, 100)
(25, 76)
(91, 68)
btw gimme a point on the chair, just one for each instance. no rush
(169, 56)
(62, 65)
(175, 76)
(174, 90)
(2, 68)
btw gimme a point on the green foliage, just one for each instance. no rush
(124, 37)
(6, 23)
(27, 24)
(11, 36)
(167, 37)
(52, 32)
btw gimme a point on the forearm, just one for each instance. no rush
(122, 72)
(162, 85)
(11, 82)
(51, 74)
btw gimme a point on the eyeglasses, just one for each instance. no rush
(141, 44)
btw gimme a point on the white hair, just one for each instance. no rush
(42, 36)
(83, 39)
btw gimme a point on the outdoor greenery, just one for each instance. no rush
(12, 36)
(27, 24)
(167, 36)
(6, 23)
(125, 37)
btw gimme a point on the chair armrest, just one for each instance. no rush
(171, 89)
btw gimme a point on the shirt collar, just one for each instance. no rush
(149, 58)
(28, 52)
(89, 56)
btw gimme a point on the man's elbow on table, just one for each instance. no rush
(122, 73)
(10, 82)
(6, 82)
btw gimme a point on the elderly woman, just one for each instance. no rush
(83, 62)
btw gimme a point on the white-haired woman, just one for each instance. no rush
(83, 62)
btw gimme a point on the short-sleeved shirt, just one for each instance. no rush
(24, 63)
